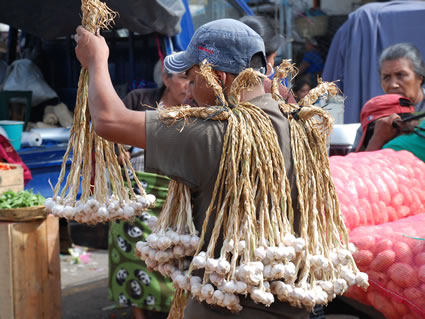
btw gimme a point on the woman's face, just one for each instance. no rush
(177, 87)
(398, 77)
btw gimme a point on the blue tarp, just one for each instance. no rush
(355, 48)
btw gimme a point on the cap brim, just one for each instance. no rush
(176, 63)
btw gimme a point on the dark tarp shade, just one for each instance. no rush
(49, 19)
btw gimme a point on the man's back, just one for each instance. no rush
(192, 157)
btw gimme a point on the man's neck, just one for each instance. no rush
(249, 94)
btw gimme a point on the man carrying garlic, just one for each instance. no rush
(235, 192)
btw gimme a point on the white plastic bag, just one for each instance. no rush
(24, 75)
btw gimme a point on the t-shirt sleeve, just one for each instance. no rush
(187, 151)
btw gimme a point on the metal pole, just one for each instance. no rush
(132, 66)
(11, 45)
(288, 12)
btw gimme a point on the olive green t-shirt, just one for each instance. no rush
(190, 152)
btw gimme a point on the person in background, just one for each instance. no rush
(130, 282)
(402, 71)
(312, 64)
(272, 42)
(380, 120)
(301, 87)
(413, 142)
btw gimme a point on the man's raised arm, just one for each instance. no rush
(111, 119)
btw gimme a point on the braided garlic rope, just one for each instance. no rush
(96, 205)
(262, 254)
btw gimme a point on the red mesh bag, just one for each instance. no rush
(378, 187)
(393, 255)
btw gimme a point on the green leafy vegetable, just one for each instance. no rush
(25, 198)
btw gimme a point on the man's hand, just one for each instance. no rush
(91, 48)
(406, 127)
(384, 131)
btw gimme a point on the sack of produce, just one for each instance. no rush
(393, 255)
(378, 187)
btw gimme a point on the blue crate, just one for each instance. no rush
(45, 164)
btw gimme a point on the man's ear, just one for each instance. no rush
(165, 79)
(224, 79)
(221, 77)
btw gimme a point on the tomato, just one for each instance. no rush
(397, 200)
(366, 242)
(363, 257)
(403, 211)
(383, 244)
(418, 248)
(403, 252)
(383, 260)
(392, 214)
(5, 167)
(403, 275)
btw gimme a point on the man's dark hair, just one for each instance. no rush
(257, 62)
(264, 27)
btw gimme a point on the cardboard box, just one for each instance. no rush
(12, 179)
(30, 269)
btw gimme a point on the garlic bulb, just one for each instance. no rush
(223, 267)
(150, 199)
(207, 291)
(362, 279)
(228, 245)
(199, 261)
(211, 265)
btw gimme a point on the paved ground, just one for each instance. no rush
(85, 289)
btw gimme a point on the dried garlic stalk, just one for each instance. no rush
(94, 157)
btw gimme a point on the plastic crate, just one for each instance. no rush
(45, 165)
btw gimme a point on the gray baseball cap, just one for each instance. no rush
(227, 44)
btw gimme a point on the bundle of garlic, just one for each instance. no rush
(173, 236)
(264, 253)
(95, 204)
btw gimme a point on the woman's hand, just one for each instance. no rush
(91, 48)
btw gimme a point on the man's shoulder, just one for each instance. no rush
(268, 104)
(264, 99)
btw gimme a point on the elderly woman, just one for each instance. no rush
(130, 282)
(402, 72)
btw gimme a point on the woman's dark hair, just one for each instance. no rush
(407, 51)
(265, 29)
(299, 83)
